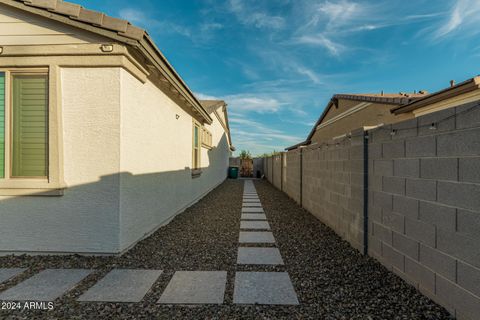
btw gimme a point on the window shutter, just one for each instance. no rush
(30, 126)
(2, 125)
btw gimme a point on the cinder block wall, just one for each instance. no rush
(277, 171)
(333, 188)
(424, 205)
(270, 169)
(292, 175)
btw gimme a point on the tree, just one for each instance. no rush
(245, 155)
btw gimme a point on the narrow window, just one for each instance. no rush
(29, 126)
(196, 147)
(2, 125)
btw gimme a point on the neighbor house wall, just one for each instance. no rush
(85, 218)
(372, 114)
(156, 159)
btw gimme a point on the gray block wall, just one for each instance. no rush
(292, 180)
(424, 205)
(423, 200)
(277, 171)
(333, 187)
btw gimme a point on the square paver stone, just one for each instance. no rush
(251, 205)
(195, 287)
(256, 237)
(46, 285)
(253, 210)
(259, 256)
(254, 225)
(254, 216)
(122, 285)
(264, 288)
(8, 273)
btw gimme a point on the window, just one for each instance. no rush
(206, 138)
(23, 125)
(196, 146)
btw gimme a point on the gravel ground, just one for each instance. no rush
(332, 280)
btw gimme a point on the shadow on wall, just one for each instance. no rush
(107, 215)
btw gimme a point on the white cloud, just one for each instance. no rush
(133, 15)
(465, 13)
(335, 49)
(244, 103)
(141, 19)
(249, 16)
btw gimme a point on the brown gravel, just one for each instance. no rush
(332, 280)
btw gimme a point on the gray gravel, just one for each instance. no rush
(331, 279)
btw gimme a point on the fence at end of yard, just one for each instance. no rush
(407, 194)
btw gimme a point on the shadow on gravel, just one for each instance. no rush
(332, 280)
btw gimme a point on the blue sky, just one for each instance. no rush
(277, 63)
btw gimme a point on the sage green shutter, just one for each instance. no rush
(30, 126)
(2, 125)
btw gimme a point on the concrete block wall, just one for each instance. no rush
(277, 171)
(333, 186)
(270, 169)
(293, 180)
(424, 205)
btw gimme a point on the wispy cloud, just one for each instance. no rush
(141, 19)
(464, 16)
(321, 40)
(251, 16)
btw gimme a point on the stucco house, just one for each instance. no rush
(347, 112)
(101, 141)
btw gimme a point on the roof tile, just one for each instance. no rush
(90, 16)
(68, 9)
(115, 24)
(133, 32)
(46, 4)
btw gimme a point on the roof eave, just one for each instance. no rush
(461, 88)
(137, 38)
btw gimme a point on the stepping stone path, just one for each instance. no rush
(254, 216)
(195, 287)
(185, 287)
(256, 255)
(122, 285)
(254, 225)
(47, 285)
(9, 273)
(260, 287)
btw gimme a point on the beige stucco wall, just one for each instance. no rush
(85, 218)
(126, 158)
(127, 163)
(156, 157)
(372, 115)
(22, 28)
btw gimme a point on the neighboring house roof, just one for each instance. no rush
(467, 86)
(115, 29)
(383, 98)
(211, 106)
